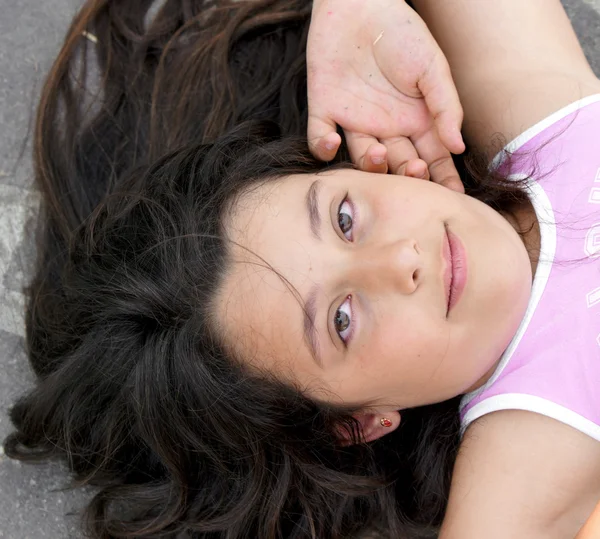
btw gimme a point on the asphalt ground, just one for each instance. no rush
(31, 31)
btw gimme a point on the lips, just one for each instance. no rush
(455, 271)
(447, 276)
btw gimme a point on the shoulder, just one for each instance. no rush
(521, 474)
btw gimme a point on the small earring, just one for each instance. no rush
(385, 422)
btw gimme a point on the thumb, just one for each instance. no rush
(441, 96)
(323, 139)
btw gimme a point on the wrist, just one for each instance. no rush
(318, 3)
(354, 6)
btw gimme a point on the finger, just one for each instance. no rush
(400, 152)
(367, 152)
(438, 159)
(441, 96)
(323, 140)
(375, 160)
(417, 168)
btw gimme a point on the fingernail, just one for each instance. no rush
(378, 160)
(330, 146)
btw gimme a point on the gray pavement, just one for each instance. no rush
(30, 34)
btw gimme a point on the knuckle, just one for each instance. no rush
(400, 167)
(441, 162)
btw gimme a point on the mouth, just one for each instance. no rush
(455, 274)
(448, 270)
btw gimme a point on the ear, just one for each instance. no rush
(371, 426)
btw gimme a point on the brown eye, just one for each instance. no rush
(345, 219)
(342, 321)
(345, 222)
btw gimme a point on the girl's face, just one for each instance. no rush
(337, 285)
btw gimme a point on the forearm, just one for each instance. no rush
(476, 34)
(505, 55)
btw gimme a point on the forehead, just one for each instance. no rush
(253, 213)
(270, 236)
(270, 269)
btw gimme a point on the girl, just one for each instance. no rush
(220, 323)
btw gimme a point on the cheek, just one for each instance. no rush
(404, 340)
(395, 208)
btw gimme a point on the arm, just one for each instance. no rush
(514, 62)
(524, 476)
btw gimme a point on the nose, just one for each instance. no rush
(393, 265)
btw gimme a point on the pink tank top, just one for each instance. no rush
(552, 365)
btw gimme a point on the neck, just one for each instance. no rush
(524, 220)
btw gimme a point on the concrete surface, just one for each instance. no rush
(30, 34)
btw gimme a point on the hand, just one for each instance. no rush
(375, 69)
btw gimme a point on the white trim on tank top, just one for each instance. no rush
(531, 403)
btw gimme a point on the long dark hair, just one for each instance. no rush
(147, 130)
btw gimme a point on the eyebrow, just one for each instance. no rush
(309, 309)
(312, 207)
